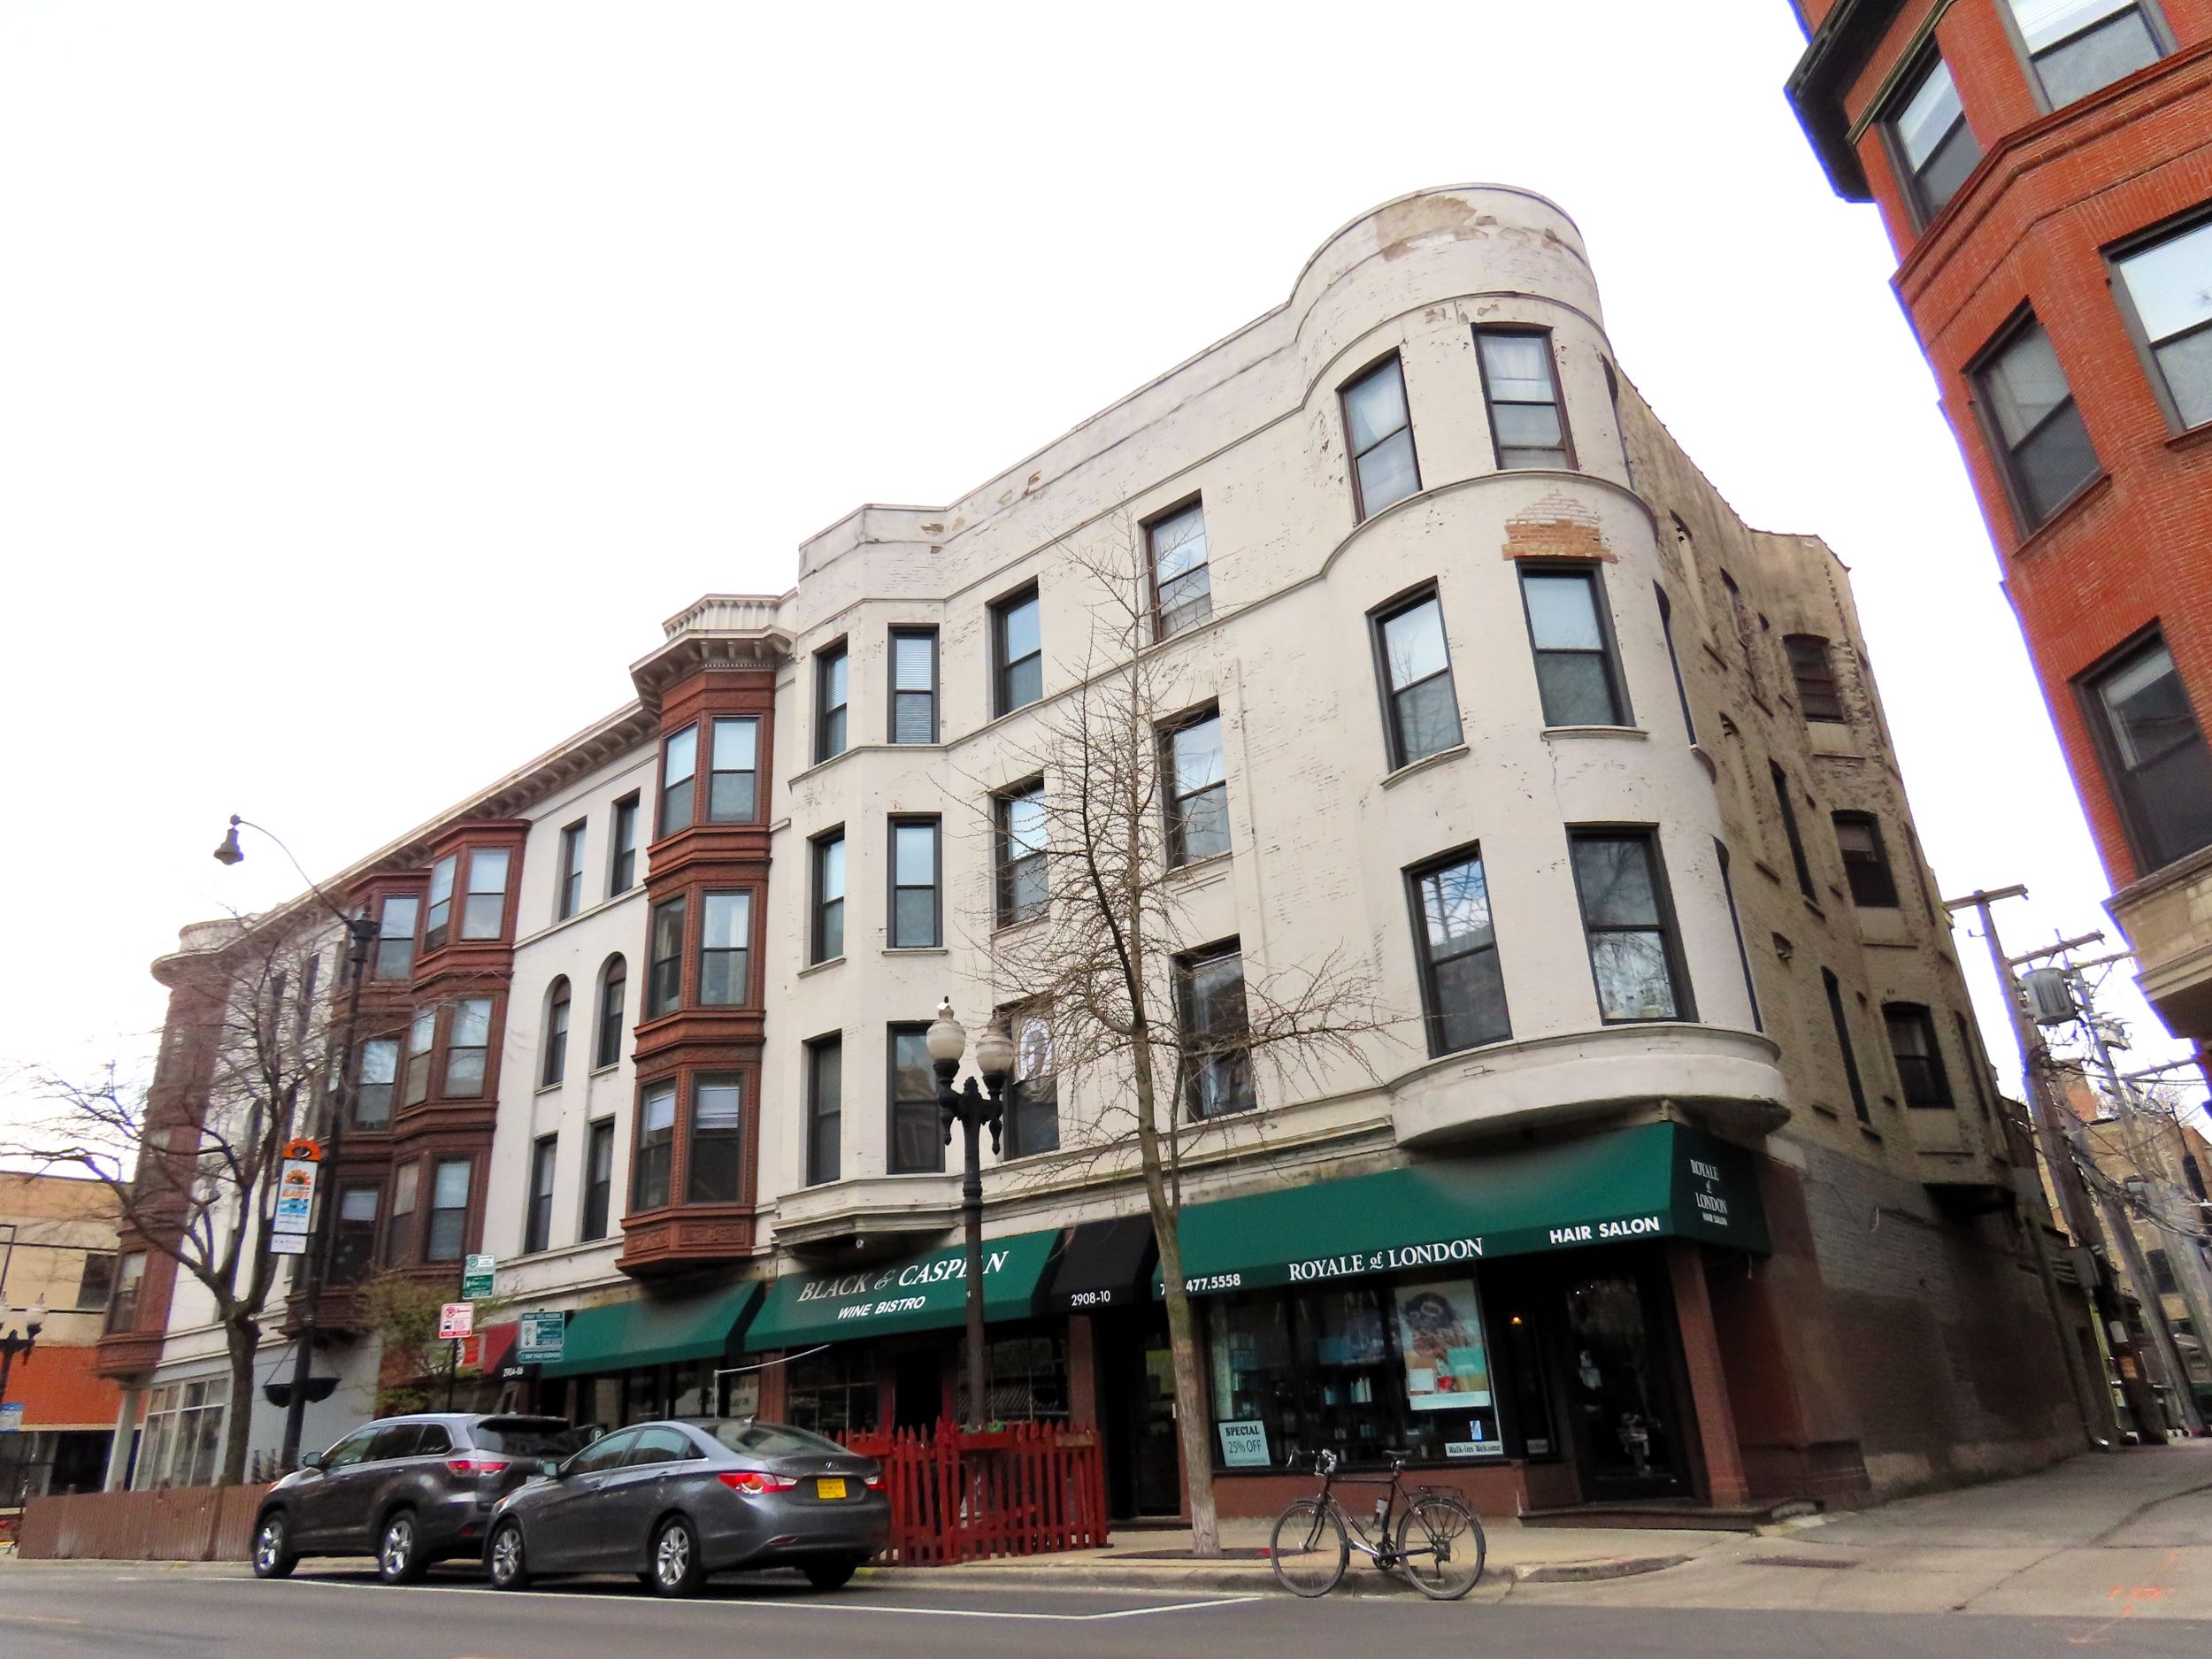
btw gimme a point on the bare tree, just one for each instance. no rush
(1158, 1058)
(193, 1169)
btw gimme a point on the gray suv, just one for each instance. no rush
(411, 1490)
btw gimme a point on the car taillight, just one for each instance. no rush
(753, 1483)
(479, 1465)
(873, 1482)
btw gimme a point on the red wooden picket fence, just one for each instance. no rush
(960, 1494)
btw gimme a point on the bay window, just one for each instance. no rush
(664, 972)
(395, 937)
(733, 785)
(438, 920)
(679, 769)
(1627, 919)
(656, 1146)
(467, 1047)
(725, 935)
(447, 1236)
(484, 915)
(715, 1157)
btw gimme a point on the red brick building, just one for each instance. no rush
(2045, 171)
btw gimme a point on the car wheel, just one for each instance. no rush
(504, 1561)
(399, 1549)
(831, 1575)
(272, 1555)
(676, 1559)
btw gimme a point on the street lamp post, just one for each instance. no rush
(12, 1343)
(973, 1108)
(361, 934)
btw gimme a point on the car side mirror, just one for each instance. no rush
(313, 1460)
(550, 1468)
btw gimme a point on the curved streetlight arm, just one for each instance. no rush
(231, 853)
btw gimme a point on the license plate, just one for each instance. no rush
(829, 1486)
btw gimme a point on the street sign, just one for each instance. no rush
(541, 1338)
(304, 1148)
(287, 1244)
(295, 1198)
(11, 1417)
(476, 1276)
(455, 1320)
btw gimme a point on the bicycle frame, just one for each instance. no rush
(1384, 1553)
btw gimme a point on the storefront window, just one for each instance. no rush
(183, 1434)
(1357, 1369)
(1026, 1379)
(833, 1393)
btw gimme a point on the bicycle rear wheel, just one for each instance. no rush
(1308, 1549)
(1441, 1547)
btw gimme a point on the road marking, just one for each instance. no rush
(35, 1619)
(719, 1605)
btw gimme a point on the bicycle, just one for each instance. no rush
(1439, 1543)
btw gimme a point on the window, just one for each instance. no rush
(1017, 658)
(824, 1109)
(1865, 861)
(353, 1246)
(436, 922)
(570, 899)
(96, 1280)
(1912, 1040)
(1674, 663)
(422, 1036)
(378, 1071)
(1744, 633)
(2168, 287)
(1032, 1094)
(734, 787)
(123, 1305)
(712, 1161)
(395, 937)
(828, 941)
(913, 685)
(1576, 676)
(833, 665)
(2153, 753)
(598, 1181)
(537, 1227)
(2161, 1267)
(1929, 139)
(183, 1435)
(1216, 1032)
(1022, 888)
(1527, 425)
(1789, 828)
(2042, 447)
(2077, 46)
(1416, 674)
(622, 869)
(1462, 991)
(834, 1391)
(726, 937)
(656, 1146)
(554, 1066)
(679, 768)
(914, 871)
(1735, 926)
(1198, 790)
(467, 1046)
(1182, 581)
(1379, 431)
(400, 1235)
(484, 915)
(613, 987)
(918, 1136)
(1843, 1045)
(664, 974)
(449, 1211)
(1814, 671)
(1628, 922)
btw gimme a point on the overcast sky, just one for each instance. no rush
(373, 379)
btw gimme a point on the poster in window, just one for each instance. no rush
(1439, 1336)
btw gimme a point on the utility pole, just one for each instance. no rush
(2187, 1263)
(2048, 1116)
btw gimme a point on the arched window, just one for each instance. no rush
(606, 1048)
(553, 1066)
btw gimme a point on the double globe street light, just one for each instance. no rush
(974, 1109)
(19, 1337)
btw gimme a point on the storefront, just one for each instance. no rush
(654, 1356)
(1514, 1318)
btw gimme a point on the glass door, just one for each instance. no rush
(1619, 1376)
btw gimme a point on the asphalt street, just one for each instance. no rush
(80, 1611)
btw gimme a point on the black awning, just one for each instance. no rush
(1107, 1264)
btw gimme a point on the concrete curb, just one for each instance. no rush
(1594, 1572)
(1240, 1580)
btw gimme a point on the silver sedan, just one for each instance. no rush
(675, 1500)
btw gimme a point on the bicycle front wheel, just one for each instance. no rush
(1308, 1548)
(1441, 1547)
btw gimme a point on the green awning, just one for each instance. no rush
(1656, 1180)
(923, 1293)
(650, 1330)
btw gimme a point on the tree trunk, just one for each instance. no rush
(244, 1337)
(1190, 1393)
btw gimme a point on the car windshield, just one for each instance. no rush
(527, 1437)
(773, 1439)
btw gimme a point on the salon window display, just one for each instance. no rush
(1357, 1370)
